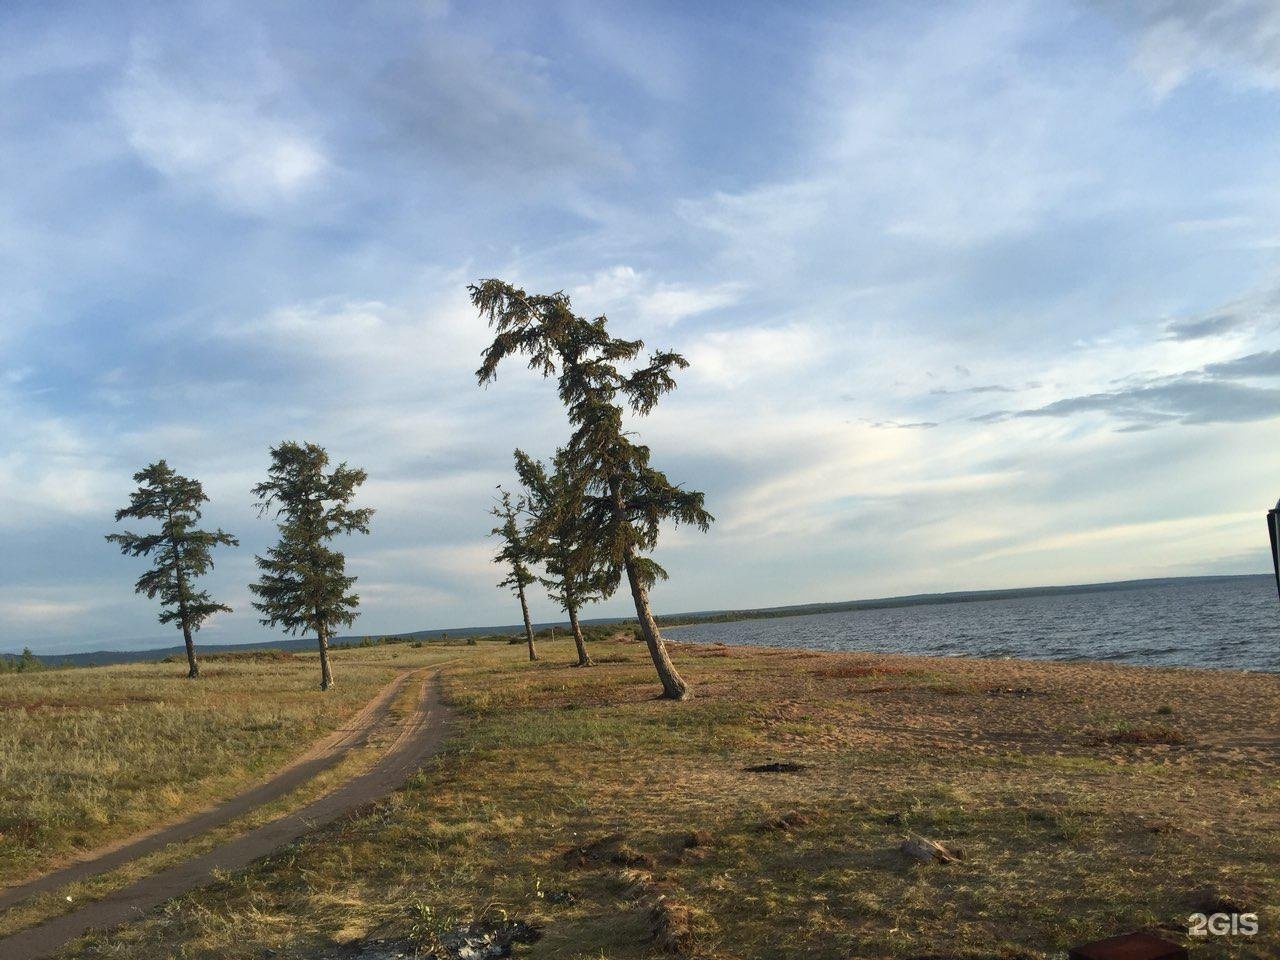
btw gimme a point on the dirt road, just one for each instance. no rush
(421, 735)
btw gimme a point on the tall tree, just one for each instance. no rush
(625, 499)
(515, 556)
(182, 552)
(304, 583)
(576, 572)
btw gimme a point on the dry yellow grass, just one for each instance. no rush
(1085, 799)
(89, 756)
(44, 906)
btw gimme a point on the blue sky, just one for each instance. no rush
(975, 295)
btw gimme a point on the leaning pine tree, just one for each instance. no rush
(181, 551)
(304, 583)
(577, 572)
(515, 556)
(624, 498)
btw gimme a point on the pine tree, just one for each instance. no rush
(182, 552)
(304, 584)
(558, 535)
(625, 499)
(516, 556)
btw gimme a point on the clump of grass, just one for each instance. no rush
(791, 820)
(699, 838)
(1140, 737)
(613, 849)
(1064, 825)
(672, 923)
(427, 927)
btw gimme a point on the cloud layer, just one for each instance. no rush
(978, 295)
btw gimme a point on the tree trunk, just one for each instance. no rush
(194, 670)
(180, 583)
(528, 627)
(583, 659)
(326, 675)
(673, 685)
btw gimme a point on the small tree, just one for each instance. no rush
(182, 552)
(625, 499)
(23, 663)
(516, 556)
(304, 584)
(559, 536)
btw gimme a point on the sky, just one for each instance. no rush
(974, 295)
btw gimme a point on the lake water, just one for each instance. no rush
(1232, 623)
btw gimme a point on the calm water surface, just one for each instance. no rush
(1232, 623)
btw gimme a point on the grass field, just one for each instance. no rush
(1085, 800)
(88, 756)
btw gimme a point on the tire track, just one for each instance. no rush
(421, 736)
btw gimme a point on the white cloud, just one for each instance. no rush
(607, 287)
(924, 145)
(766, 227)
(384, 347)
(668, 305)
(1238, 40)
(648, 301)
(761, 356)
(958, 133)
(50, 468)
(42, 613)
(1184, 536)
(222, 138)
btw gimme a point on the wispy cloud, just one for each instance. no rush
(1260, 310)
(1179, 38)
(1198, 328)
(650, 301)
(222, 136)
(484, 109)
(43, 612)
(1210, 394)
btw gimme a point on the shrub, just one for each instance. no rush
(25, 662)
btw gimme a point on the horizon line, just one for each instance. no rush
(800, 609)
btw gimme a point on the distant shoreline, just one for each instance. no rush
(136, 654)
(938, 599)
